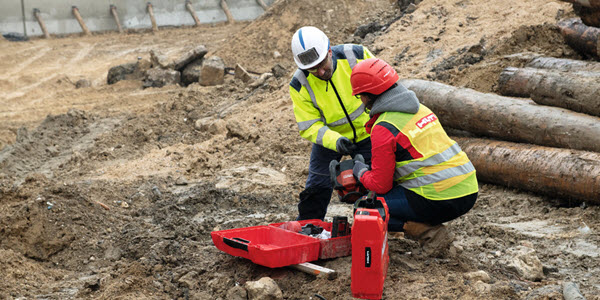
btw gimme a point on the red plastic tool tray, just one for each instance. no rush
(274, 247)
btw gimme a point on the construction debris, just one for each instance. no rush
(242, 74)
(157, 77)
(212, 72)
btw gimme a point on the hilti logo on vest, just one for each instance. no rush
(426, 120)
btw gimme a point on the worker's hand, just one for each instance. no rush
(344, 146)
(359, 169)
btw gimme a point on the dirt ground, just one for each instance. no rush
(109, 191)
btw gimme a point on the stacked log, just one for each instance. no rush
(564, 173)
(580, 37)
(589, 16)
(587, 10)
(506, 118)
(563, 64)
(577, 91)
(586, 3)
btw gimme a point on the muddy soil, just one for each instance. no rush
(110, 191)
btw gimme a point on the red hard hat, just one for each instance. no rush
(372, 76)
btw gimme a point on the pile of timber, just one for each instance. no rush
(538, 148)
(581, 37)
(587, 10)
(583, 33)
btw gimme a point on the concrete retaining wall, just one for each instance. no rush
(59, 19)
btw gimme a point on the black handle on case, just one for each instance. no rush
(235, 244)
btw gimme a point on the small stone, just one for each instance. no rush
(478, 276)
(261, 80)
(571, 291)
(156, 194)
(278, 71)
(189, 280)
(276, 54)
(242, 74)
(526, 264)
(159, 77)
(237, 293)
(192, 72)
(265, 288)
(120, 72)
(411, 8)
(213, 71)
(82, 83)
(190, 56)
(181, 181)
(158, 59)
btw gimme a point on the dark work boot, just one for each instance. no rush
(435, 240)
(313, 203)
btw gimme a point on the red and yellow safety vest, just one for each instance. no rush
(444, 171)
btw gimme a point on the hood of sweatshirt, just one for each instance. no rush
(398, 99)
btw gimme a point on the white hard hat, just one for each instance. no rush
(310, 46)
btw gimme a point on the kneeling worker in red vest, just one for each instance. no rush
(423, 175)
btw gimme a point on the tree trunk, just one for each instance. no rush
(563, 64)
(589, 16)
(578, 91)
(587, 3)
(506, 118)
(580, 36)
(555, 172)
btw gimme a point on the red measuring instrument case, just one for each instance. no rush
(370, 258)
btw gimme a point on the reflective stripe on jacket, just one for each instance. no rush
(442, 170)
(322, 108)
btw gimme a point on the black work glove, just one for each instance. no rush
(344, 146)
(359, 169)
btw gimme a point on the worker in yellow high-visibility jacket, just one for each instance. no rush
(326, 112)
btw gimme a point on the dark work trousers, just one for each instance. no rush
(405, 205)
(317, 191)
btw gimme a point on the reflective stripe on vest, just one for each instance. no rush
(350, 55)
(304, 82)
(321, 134)
(432, 161)
(438, 176)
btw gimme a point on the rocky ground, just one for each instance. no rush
(112, 191)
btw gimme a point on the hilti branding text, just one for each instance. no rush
(426, 120)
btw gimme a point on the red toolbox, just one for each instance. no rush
(333, 247)
(274, 246)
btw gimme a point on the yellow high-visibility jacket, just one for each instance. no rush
(326, 110)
